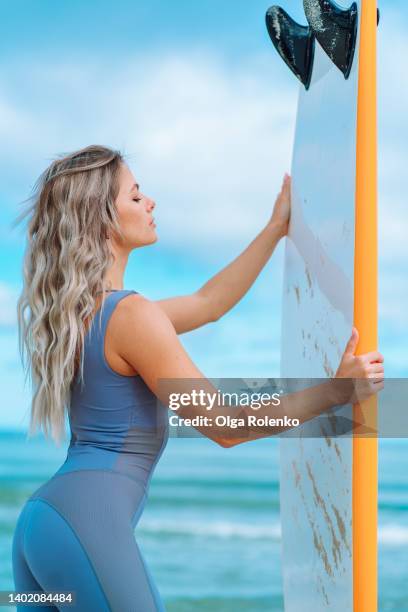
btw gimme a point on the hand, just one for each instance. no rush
(281, 211)
(367, 371)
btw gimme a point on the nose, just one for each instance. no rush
(151, 205)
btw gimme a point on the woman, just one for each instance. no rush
(98, 351)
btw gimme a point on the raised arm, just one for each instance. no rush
(226, 288)
(150, 344)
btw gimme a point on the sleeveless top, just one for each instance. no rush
(118, 432)
(117, 424)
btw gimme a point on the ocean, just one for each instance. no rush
(210, 532)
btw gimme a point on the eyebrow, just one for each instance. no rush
(135, 185)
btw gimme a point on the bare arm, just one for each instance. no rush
(154, 350)
(226, 288)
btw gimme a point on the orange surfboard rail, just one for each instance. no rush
(365, 449)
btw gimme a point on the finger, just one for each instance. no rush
(372, 357)
(377, 386)
(376, 368)
(375, 377)
(369, 389)
(374, 387)
(285, 183)
(352, 343)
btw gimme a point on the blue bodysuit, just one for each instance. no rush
(76, 532)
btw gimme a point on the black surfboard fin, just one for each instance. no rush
(294, 43)
(336, 30)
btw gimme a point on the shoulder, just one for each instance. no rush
(136, 313)
(142, 333)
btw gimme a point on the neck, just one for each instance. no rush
(115, 274)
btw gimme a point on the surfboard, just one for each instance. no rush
(333, 213)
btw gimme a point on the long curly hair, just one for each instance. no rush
(71, 215)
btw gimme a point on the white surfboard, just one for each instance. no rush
(318, 293)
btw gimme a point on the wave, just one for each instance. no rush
(393, 535)
(219, 529)
(388, 535)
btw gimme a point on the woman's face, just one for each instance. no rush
(134, 211)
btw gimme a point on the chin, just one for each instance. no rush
(153, 239)
(145, 242)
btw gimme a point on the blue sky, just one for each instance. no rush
(196, 96)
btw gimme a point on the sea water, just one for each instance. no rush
(210, 532)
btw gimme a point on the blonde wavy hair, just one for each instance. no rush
(67, 254)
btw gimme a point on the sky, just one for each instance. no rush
(205, 109)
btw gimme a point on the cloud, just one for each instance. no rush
(8, 304)
(209, 142)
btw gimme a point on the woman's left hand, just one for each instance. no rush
(281, 210)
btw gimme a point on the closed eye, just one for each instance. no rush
(137, 199)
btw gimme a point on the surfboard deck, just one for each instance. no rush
(318, 303)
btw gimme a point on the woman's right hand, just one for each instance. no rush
(367, 370)
(281, 210)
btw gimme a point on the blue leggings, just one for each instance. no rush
(48, 555)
